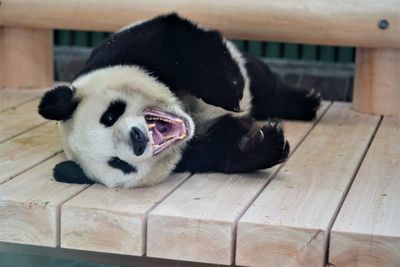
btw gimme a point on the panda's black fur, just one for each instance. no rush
(177, 52)
(213, 80)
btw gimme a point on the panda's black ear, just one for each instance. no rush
(58, 103)
(70, 172)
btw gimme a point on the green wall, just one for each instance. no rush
(262, 49)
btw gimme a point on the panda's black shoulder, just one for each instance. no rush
(144, 44)
(155, 45)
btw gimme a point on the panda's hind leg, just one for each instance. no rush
(235, 145)
(274, 98)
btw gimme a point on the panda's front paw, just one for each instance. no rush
(263, 149)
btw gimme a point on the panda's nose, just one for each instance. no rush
(139, 141)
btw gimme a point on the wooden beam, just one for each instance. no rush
(198, 221)
(288, 224)
(26, 57)
(342, 22)
(19, 120)
(377, 81)
(27, 150)
(10, 98)
(112, 220)
(30, 206)
(367, 229)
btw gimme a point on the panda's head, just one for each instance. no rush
(120, 125)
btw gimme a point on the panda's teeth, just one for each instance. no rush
(151, 126)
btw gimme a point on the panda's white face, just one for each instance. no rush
(122, 135)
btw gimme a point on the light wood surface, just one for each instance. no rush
(288, 223)
(198, 221)
(26, 150)
(26, 56)
(367, 229)
(112, 220)
(30, 206)
(10, 97)
(20, 119)
(342, 22)
(377, 81)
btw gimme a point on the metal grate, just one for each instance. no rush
(262, 49)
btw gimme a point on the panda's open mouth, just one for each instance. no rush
(164, 129)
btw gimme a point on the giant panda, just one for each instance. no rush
(167, 95)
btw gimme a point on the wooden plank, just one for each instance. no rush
(198, 221)
(376, 81)
(367, 229)
(320, 22)
(26, 57)
(288, 223)
(112, 220)
(26, 150)
(10, 97)
(30, 206)
(18, 120)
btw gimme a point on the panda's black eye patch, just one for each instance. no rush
(113, 112)
(122, 165)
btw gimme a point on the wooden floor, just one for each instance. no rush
(336, 200)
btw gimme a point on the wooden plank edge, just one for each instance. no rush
(24, 131)
(316, 233)
(19, 103)
(39, 204)
(347, 190)
(30, 167)
(142, 217)
(373, 250)
(146, 214)
(268, 180)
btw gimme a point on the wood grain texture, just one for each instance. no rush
(198, 221)
(26, 150)
(367, 229)
(343, 22)
(26, 57)
(112, 219)
(30, 206)
(288, 223)
(10, 98)
(377, 81)
(20, 119)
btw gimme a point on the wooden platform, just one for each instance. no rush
(336, 200)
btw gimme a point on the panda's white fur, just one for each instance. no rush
(90, 144)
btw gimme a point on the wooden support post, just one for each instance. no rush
(377, 81)
(26, 57)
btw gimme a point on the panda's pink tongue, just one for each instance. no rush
(157, 136)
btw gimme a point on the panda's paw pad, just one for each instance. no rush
(250, 142)
(265, 147)
(275, 148)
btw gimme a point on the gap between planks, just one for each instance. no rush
(21, 119)
(13, 97)
(197, 222)
(288, 222)
(346, 192)
(112, 220)
(323, 110)
(366, 231)
(27, 150)
(30, 205)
